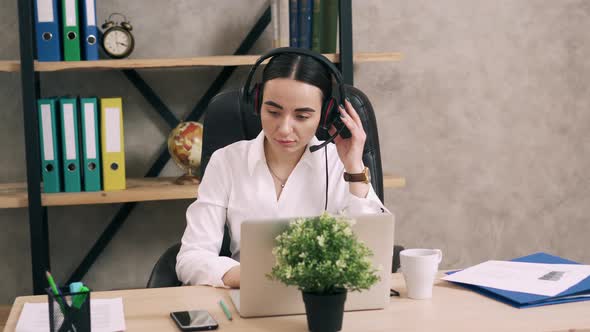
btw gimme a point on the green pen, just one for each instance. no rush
(225, 309)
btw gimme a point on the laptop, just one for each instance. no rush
(260, 296)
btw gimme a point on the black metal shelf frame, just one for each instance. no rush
(30, 84)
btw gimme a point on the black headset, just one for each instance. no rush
(330, 114)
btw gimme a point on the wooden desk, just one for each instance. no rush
(451, 309)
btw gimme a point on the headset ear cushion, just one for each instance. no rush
(327, 112)
(256, 96)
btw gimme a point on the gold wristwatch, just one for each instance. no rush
(364, 176)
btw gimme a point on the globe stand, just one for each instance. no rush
(187, 178)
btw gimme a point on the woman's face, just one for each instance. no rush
(290, 113)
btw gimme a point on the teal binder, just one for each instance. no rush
(69, 143)
(50, 156)
(90, 149)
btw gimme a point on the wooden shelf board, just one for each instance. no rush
(390, 181)
(14, 195)
(9, 65)
(218, 60)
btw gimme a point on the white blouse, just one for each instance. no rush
(237, 186)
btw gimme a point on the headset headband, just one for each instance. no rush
(285, 50)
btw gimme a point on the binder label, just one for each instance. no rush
(71, 13)
(90, 15)
(90, 129)
(47, 132)
(69, 131)
(113, 129)
(45, 10)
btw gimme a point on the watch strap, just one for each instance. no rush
(357, 177)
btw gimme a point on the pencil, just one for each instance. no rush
(55, 290)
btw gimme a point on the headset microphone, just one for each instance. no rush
(314, 148)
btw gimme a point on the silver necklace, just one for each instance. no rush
(281, 181)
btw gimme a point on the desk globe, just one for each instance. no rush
(185, 144)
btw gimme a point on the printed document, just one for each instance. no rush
(107, 316)
(532, 278)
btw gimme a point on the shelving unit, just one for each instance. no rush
(150, 188)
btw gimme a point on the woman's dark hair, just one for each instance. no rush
(300, 68)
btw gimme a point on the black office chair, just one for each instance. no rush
(226, 123)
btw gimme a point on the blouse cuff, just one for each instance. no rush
(220, 268)
(368, 205)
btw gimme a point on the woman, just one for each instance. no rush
(275, 175)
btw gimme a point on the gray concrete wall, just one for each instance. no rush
(486, 117)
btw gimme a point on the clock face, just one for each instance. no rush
(117, 42)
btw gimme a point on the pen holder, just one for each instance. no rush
(68, 312)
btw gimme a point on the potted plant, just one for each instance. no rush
(324, 259)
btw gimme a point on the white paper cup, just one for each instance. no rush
(419, 267)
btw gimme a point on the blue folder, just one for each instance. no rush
(89, 30)
(526, 300)
(47, 30)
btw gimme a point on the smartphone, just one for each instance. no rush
(194, 320)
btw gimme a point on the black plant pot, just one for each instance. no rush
(324, 311)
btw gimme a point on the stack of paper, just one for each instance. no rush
(529, 281)
(106, 316)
